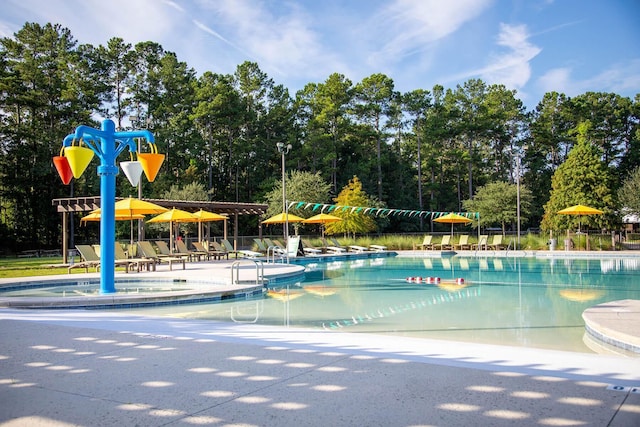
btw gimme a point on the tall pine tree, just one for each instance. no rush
(582, 179)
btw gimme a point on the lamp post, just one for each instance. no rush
(518, 196)
(284, 150)
(107, 144)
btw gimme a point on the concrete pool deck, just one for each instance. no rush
(78, 367)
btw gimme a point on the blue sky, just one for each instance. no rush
(533, 46)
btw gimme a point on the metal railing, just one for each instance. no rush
(235, 271)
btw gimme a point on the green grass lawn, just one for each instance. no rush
(27, 267)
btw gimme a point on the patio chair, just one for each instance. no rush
(445, 243)
(146, 250)
(273, 248)
(218, 248)
(463, 243)
(211, 253)
(118, 262)
(181, 246)
(377, 248)
(260, 245)
(139, 263)
(309, 248)
(357, 248)
(89, 259)
(334, 249)
(496, 243)
(229, 247)
(482, 243)
(427, 242)
(163, 247)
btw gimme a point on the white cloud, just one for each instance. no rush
(283, 43)
(618, 78)
(512, 67)
(407, 26)
(557, 79)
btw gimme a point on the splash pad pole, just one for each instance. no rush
(107, 144)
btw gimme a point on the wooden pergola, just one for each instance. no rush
(72, 205)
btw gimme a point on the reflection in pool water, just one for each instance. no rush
(513, 301)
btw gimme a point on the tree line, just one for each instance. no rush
(427, 149)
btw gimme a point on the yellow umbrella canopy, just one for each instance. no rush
(452, 218)
(171, 216)
(322, 218)
(174, 215)
(580, 210)
(95, 216)
(133, 206)
(205, 216)
(282, 218)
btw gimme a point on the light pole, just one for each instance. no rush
(518, 196)
(284, 150)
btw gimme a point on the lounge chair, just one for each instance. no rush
(445, 243)
(482, 243)
(276, 248)
(138, 262)
(119, 262)
(496, 243)
(211, 253)
(427, 242)
(89, 258)
(334, 249)
(181, 247)
(357, 248)
(218, 248)
(166, 252)
(146, 250)
(260, 245)
(309, 249)
(229, 247)
(463, 243)
(377, 248)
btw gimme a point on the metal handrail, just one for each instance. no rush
(235, 267)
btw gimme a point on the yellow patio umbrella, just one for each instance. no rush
(173, 216)
(281, 218)
(134, 206)
(580, 210)
(323, 219)
(206, 216)
(95, 215)
(452, 218)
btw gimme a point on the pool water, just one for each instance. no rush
(512, 301)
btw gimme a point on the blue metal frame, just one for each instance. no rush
(107, 144)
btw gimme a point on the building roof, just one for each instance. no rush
(84, 204)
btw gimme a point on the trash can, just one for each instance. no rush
(552, 244)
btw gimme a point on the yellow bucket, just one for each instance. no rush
(79, 158)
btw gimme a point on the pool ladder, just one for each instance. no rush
(235, 271)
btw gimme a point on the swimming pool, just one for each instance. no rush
(522, 301)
